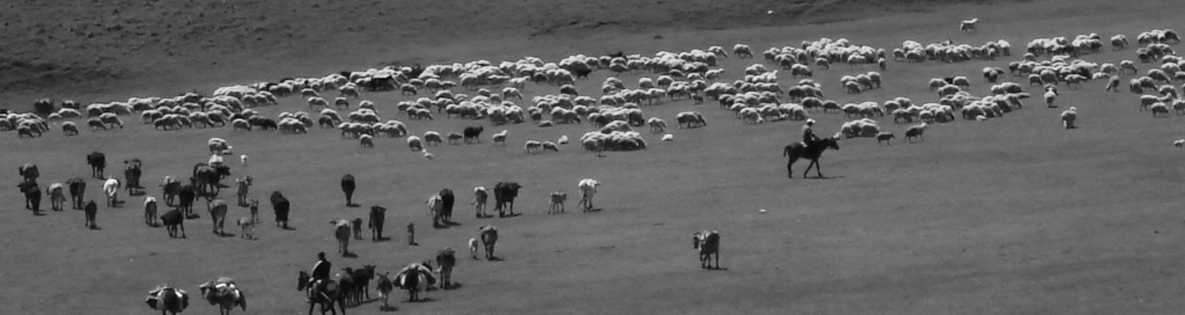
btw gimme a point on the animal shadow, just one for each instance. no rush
(94, 227)
(350, 255)
(352, 205)
(40, 213)
(510, 215)
(452, 286)
(387, 308)
(825, 177)
(594, 210)
(192, 216)
(494, 258)
(225, 234)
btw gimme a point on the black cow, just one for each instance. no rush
(348, 186)
(473, 134)
(77, 187)
(185, 195)
(90, 210)
(98, 161)
(446, 210)
(173, 220)
(280, 208)
(378, 214)
(172, 188)
(131, 175)
(32, 194)
(263, 123)
(504, 194)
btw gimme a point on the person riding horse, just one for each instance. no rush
(808, 133)
(320, 272)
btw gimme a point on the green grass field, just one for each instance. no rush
(1013, 215)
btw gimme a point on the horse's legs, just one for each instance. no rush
(818, 168)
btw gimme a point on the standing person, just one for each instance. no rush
(808, 133)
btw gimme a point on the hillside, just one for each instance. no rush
(63, 49)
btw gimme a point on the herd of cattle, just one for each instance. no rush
(691, 75)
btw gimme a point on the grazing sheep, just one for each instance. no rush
(432, 138)
(668, 137)
(1068, 117)
(415, 144)
(884, 136)
(742, 51)
(429, 155)
(1159, 108)
(657, 125)
(454, 138)
(915, 132)
(968, 25)
(1179, 143)
(562, 140)
(367, 141)
(550, 146)
(1049, 98)
(532, 146)
(69, 128)
(500, 137)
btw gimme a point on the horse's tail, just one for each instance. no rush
(786, 151)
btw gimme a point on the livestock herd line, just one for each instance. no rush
(485, 91)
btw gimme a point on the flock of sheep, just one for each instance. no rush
(489, 93)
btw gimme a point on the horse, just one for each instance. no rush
(377, 216)
(28, 172)
(225, 293)
(341, 231)
(797, 150)
(98, 161)
(708, 244)
(360, 289)
(77, 187)
(168, 300)
(348, 185)
(323, 292)
(217, 209)
(489, 237)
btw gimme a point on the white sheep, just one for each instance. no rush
(366, 140)
(500, 137)
(1068, 117)
(968, 25)
(562, 140)
(243, 159)
(432, 138)
(668, 137)
(532, 145)
(1179, 143)
(415, 144)
(657, 125)
(915, 131)
(429, 155)
(742, 51)
(1050, 95)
